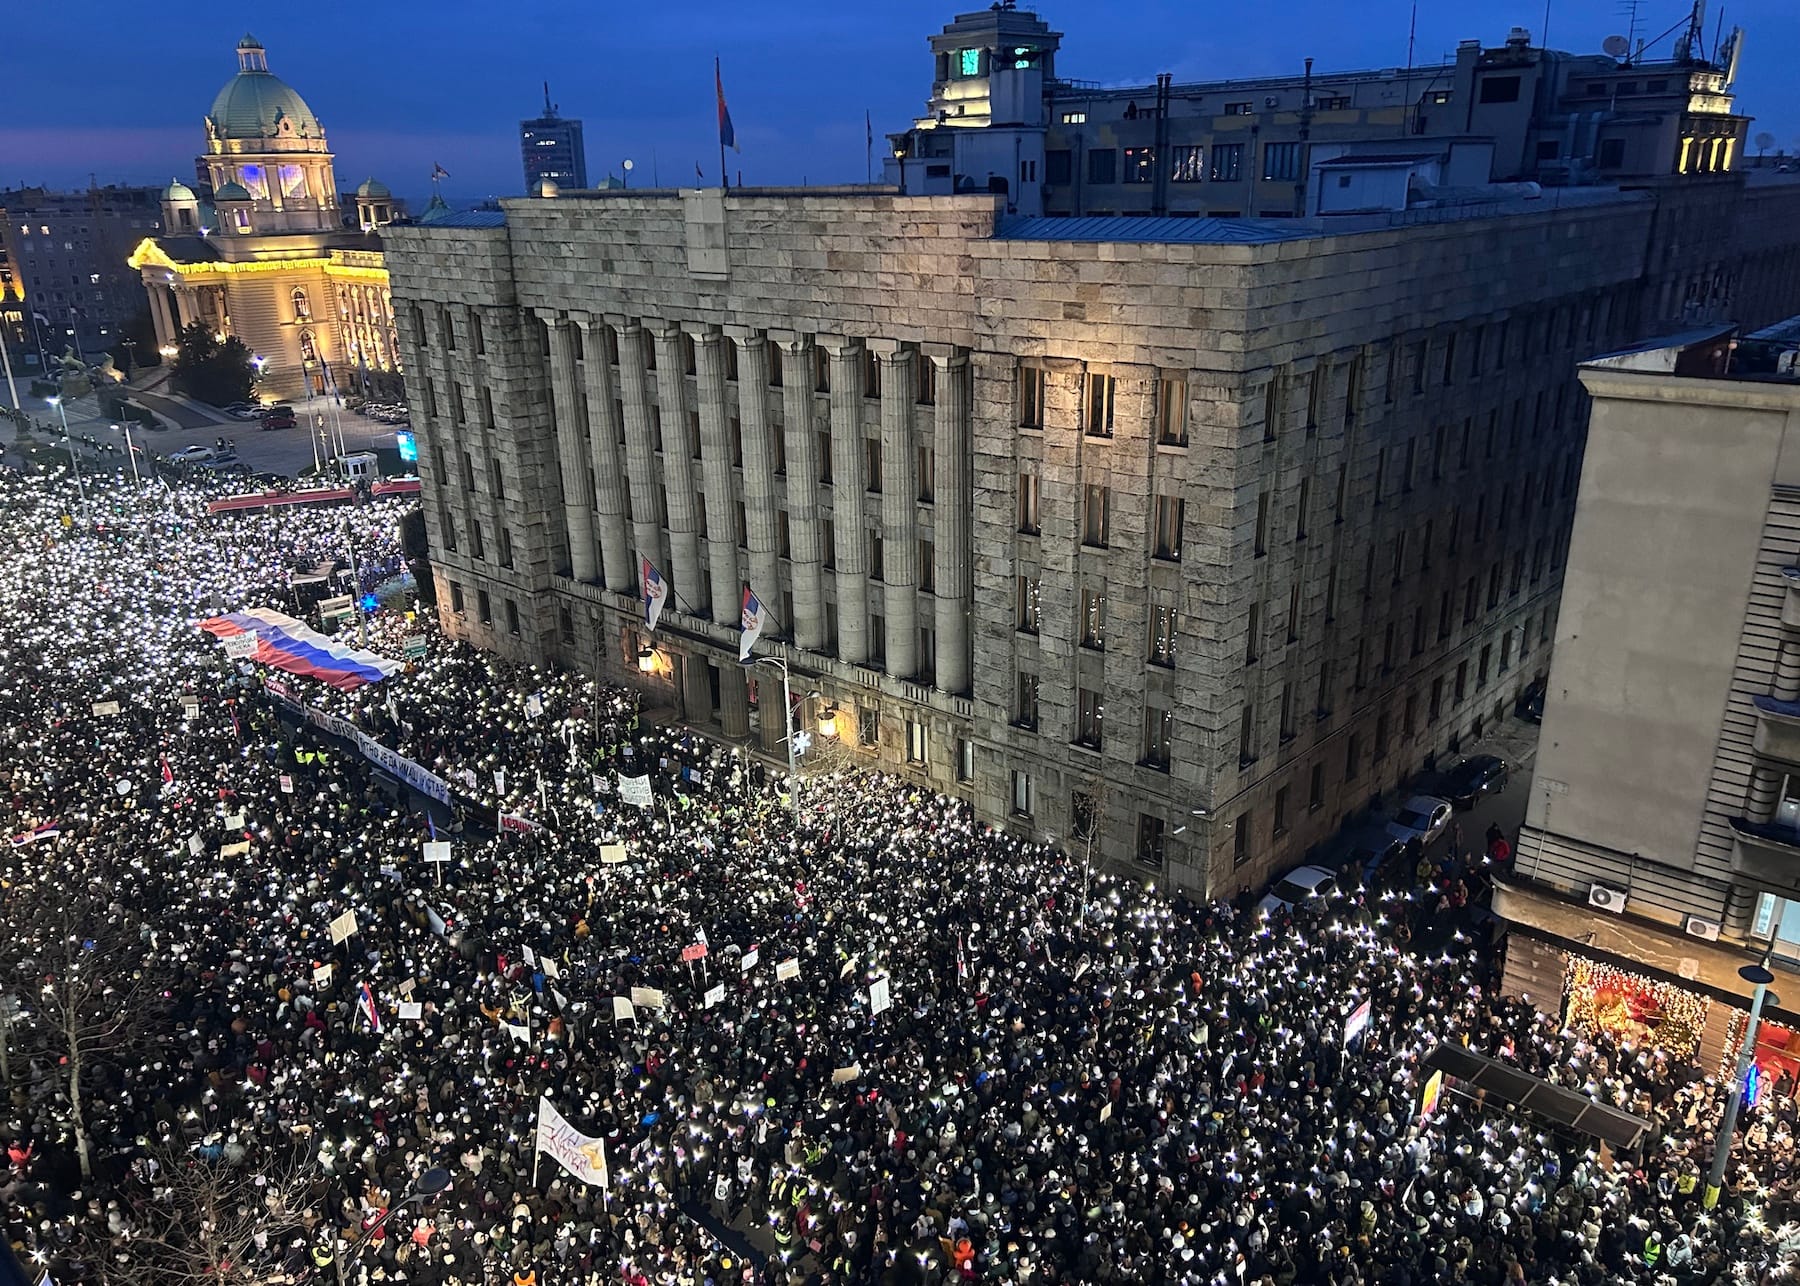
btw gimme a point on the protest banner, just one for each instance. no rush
(636, 790)
(581, 1155)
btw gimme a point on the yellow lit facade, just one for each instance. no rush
(269, 259)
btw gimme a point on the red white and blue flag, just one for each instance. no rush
(752, 622)
(656, 593)
(365, 1002)
(47, 830)
(727, 135)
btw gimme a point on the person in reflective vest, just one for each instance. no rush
(1652, 1249)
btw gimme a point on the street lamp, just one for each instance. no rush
(627, 165)
(793, 734)
(169, 352)
(646, 659)
(427, 1185)
(74, 463)
(828, 722)
(1757, 975)
(130, 453)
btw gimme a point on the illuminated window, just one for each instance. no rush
(255, 181)
(1140, 164)
(293, 180)
(1237, 109)
(1074, 118)
(1227, 162)
(306, 345)
(1189, 165)
(968, 62)
(302, 309)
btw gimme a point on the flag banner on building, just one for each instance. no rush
(438, 172)
(580, 1155)
(656, 593)
(727, 135)
(753, 623)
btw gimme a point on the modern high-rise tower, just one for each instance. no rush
(553, 149)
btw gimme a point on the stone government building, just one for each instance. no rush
(1212, 527)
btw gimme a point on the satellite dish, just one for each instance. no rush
(1616, 46)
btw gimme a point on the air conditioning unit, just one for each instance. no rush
(1607, 899)
(1270, 101)
(1694, 926)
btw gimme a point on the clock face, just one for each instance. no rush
(970, 62)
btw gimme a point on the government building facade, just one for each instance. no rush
(1188, 534)
(259, 246)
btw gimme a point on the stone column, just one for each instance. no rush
(571, 447)
(678, 477)
(847, 487)
(899, 511)
(609, 468)
(952, 509)
(734, 700)
(759, 469)
(715, 466)
(640, 448)
(806, 562)
(184, 306)
(159, 314)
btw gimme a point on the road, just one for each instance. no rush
(284, 451)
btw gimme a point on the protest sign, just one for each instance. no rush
(844, 1074)
(646, 998)
(581, 1155)
(693, 952)
(789, 968)
(287, 784)
(412, 1009)
(343, 927)
(879, 1000)
(322, 976)
(437, 850)
(749, 961)
(715, 995)
(103, 709)
(636, 790)
(612, 854)
(622, 1009)
(239, 647)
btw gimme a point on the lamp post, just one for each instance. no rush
(130, 453)
(427, 1185)
(1759, 976)
(74, 463)
(792, 736)
(130, 347)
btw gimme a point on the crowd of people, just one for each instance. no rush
(250, 1033)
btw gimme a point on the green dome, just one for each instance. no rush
(232, 191)
(256, 104)
(178, 191)
(374, 189)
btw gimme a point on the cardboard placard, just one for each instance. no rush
(693, 952)
(636, 790)
(845, 1074)
(343, 927)
(413, 1010)
(531, 957)
(287, 784)
(520, 1032)
(437, 850)
(194, 845)
(239, 647)
(1105, 1113)
(623, 1009)
(551, 968)
(749, 961)
(103, 709)
(190, 706)
(234, 821)
(406, 989)
(789, 968)
(612, 854)
(879, 1000)
(646, 998)
(322, 976)
(239, 849)
(534, 706)
(715, 995)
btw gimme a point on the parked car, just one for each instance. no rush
(1370, 848)
(1530, 705)
(1300, 885)
(1472, 778)
(192, 455)
(1423, 817)
(243, 410)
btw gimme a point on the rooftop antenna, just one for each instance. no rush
(1630, 10)
(548, 109)
(1412, 31)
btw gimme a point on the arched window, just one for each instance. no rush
(306, 346)
(302, 309)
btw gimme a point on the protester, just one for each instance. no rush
(1072, 1083)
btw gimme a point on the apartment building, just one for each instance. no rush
(1662, 846)
(1002, 118)
(1190, 535)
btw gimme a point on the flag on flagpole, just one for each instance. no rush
(656, 594)
(699, 173)
(727, 135)
(432, 822)
(365, 1003)
(752, 623)
(48, 830)
(168, 773)
(581, 1155)
(438, 172)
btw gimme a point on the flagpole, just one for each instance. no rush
(719, 82)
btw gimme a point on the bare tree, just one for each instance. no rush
(216, 1222)
(95, 996)
(1764, 141)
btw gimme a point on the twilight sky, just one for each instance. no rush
(119, 90)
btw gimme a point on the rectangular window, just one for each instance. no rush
(1481, 667)
(965, 760)
(1031, 397)
(1028, 592)
(1302, 503)
(821, 370)
(1140, 164)
(1237, 109)
(1253, 634)
(872, 464)
(924, 380)
(1322, 705)
(1281, 161)
(1287, 712)
(1315, 787)
(1103, 165)
(927, 471)
(1096, 502)
(1381, 458)
(1247, 736)
(1058, 170)
(1352, 757)
(1462, 681)
(1159, 728)
(1435, 706)
(1240, 838)
(927, 567)
(1093, 618)
(1499, 89)
(1025, 701)
(1164, 625)
(1227, 162)
(1293, 615)
(1151, 841)
(1169, 513)
(506, 549)
(1171, 412)
(456, 598)
(1101, 390)
(1029, 501)
(871, 374)
(1262, 523)
(1090, 718)
(484, 605)
(1021, 794)
(512, 617)
(1187, 164)
(916, 743)
(1281, 813)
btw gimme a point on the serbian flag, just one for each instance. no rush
(727, 135)
(753, 623)
(48, 830)
(656, 593)
(365, 1003)
(168, 773)
(438, 172)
